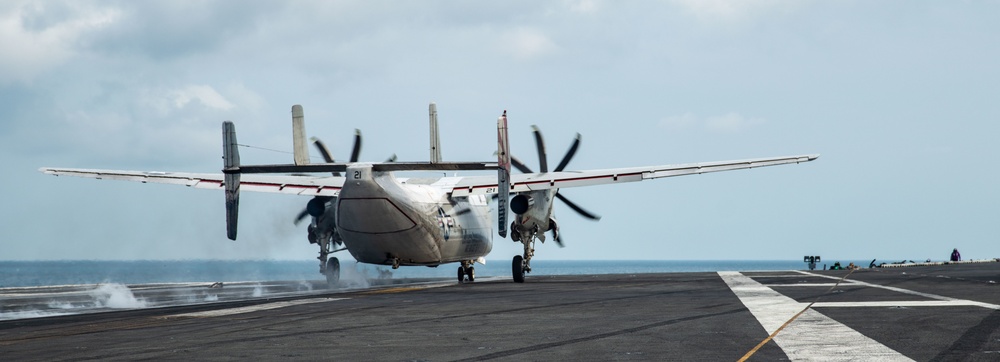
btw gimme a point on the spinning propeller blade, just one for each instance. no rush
(569, 154)
(302, 215)
(357, 146)
(519, 165)
(328, 157)
(543, 164)
(577, 208)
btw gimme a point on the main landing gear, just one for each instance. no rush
(332, 271)
(327, 239)
(517, 268)
(522, 263)
(466, 270)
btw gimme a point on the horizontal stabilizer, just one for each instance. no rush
(388, 166)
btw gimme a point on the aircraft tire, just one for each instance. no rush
(471, 273)
(461, 274)
(332, 271)
(517, 269)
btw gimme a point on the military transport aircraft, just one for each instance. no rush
(383, 219)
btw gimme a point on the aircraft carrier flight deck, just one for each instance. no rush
(923, 313)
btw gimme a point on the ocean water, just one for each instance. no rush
(46, 273)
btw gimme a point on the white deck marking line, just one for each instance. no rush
(253, 308)
(808, 284)
(773, 276)
(902, 303)
(813, 336)
(913, 292)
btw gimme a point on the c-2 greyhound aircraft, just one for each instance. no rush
(383, 219)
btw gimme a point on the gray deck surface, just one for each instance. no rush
(947, 312)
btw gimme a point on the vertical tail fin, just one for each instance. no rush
(231, 163)
(435, 138)
(503, 174)
(299, 145)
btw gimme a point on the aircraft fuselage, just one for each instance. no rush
(383, 220)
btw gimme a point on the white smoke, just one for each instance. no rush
(258, 291)
(304, 286)
(29, 314)
(60, 305)
(355, 276)
(384, 273)
(211, 298)
(116, 296)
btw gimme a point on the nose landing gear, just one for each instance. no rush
(466, 270)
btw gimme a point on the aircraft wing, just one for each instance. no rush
(283, 184)
(550, 180)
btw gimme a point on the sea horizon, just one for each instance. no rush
(20, 273)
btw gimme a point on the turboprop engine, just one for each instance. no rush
(521, 203)
(534, 208)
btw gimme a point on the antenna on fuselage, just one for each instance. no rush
(435, 138)
(300, 147)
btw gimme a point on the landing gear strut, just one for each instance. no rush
(327, 237)
(466, 270)
(522, 263)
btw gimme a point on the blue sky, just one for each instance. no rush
(899, 97)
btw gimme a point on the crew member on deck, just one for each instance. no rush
(955, 256)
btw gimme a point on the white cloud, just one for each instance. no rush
(526, 43)
(33, 42)
(733, 10)
(583, 6)
(165, 102)
(204, 94)
(731, 122)
(246, 98)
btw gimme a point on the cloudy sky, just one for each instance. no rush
(899, 97)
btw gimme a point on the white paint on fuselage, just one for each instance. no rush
(381, 218)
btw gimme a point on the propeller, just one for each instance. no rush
(317, 205)
(543, 165)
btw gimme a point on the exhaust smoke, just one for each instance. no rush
(116, 296)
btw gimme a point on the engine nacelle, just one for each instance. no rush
(521, 203)
(316, 206)
(323, 229)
